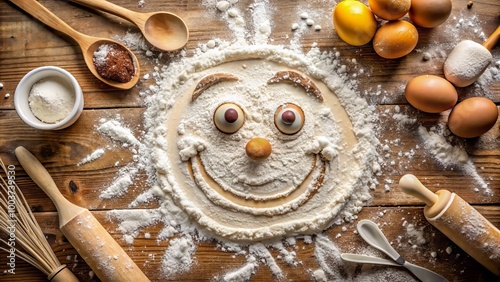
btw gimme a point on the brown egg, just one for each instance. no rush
(389, 9)
(395, 39)
(258, 149)
(473, 117)
(430, 93)
(429, 13)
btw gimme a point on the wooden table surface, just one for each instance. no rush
(26, 44)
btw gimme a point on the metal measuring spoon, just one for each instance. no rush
(165, 31)
(370, 232)
(88, 44)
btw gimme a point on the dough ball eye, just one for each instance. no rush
(229, 118)
(289, 118)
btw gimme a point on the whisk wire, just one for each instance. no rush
(27, 230)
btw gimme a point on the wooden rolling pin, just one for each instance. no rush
(468, 60)
(94, 244)
(459, 221)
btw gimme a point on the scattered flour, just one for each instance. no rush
(131, 221)
(176, 210)
(223, 6)
(451, 156)
(120, 184)
(319, 275)
(179, 256)
(117, 132)
(449, 250)
(328, 254)
(244, 273)
(416, 234)
(92, 157)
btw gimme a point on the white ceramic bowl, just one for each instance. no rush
(23, 90)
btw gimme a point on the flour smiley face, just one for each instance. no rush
(259, 152)
(255, 157)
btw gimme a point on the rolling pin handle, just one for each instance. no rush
(412, 186)
(492, 40)
(62, 274)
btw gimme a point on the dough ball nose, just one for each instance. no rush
(258, 149)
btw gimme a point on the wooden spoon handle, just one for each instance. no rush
(42, 178)
(493, 39)
(41, 13)
(112, 8)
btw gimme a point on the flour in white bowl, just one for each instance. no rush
(51, 99)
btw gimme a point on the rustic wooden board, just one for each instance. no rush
(26, 44)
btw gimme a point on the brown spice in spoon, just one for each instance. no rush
(113, 62)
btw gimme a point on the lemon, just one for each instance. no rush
(354, 22)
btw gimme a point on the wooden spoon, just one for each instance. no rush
(165, 31)
(88, 44)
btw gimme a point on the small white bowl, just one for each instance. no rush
(23, 90)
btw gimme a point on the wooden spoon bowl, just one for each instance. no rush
(88, 44)
(165, 31)
(88, 49)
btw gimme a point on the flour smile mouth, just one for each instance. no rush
(254, 181)
(270, 205)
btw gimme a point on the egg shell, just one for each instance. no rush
(354, 22)
(473, 117)
(395, 39)
(429, 13)
(389, 9)
(258, 149)
(430, 93)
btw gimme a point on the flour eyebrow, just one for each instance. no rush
(299, 79)
(209, 81)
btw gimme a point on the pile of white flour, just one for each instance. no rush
(51, 99)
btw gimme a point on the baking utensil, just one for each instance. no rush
(459, 221)
(370, 232)
(22, 229)
(94, 244)
(88, 44)
(424, 272)
(468, 60)
(165, 31)
(367, 259)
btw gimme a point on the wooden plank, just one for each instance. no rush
(61, 151)
(26, 44)
(212, 262)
